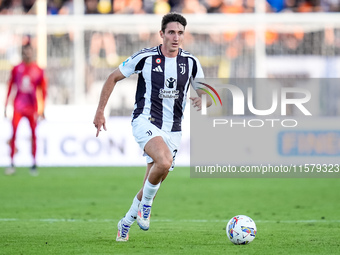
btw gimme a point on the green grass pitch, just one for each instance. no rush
(76, 210)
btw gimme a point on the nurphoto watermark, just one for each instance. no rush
(266, 128)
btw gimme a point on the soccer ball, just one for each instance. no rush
(241, 229)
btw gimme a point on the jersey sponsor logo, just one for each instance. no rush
(149, 133)
(26, 85)
(168, 94)
(158, 69)
(182, 66)
(170, 82)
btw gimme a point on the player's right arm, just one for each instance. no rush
(110, 83)
(10, 85)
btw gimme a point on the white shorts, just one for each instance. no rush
(143, 131)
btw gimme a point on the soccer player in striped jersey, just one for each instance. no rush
(164, 75)
(26, 78)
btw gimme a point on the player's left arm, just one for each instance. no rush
(197, 101)
(10, 85)
(41, 95)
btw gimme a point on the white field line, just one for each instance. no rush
(163, 220)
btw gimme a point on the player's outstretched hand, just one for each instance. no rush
(196, 102)
(42, 116)
(99, 121)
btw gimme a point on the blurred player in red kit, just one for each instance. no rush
(26, 79)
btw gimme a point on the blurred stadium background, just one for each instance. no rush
(79, 43)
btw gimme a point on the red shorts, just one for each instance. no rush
(31, 116)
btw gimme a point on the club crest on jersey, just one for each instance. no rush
(158, 61)
(182, 66)
(170, 82)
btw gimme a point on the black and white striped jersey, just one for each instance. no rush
(162, 85)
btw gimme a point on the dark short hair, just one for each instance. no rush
(173, 17)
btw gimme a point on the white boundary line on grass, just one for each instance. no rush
(164, 220)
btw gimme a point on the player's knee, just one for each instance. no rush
(165, 163)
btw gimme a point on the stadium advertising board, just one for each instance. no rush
(73, 143)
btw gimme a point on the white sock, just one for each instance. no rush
(149, 192)
(131, 215)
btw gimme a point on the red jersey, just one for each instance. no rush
(27, 78)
